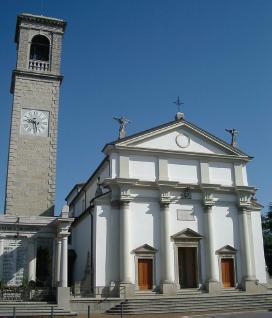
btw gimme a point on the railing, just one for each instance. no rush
(36, 65)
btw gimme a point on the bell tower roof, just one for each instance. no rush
(38, 19)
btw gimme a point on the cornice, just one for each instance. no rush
(47, 76)
(180, 154)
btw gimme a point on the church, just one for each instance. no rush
(169, 209)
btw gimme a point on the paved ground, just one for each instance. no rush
(257, 314)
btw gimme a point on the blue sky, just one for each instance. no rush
(133, 57)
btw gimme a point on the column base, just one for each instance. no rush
(63, 297)
(213, 287)
(253, 286)
(168, 289)
(126, 290)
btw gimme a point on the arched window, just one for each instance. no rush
(39, 49)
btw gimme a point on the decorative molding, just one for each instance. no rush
(208, 199)
(227, 250)
(145, 249)
(244, 199)
(183, 140)
(187, 235)
(186, 193)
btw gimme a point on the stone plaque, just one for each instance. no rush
(185, 215)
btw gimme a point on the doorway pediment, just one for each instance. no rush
(145, 249)
(227, 249)
(186, 235)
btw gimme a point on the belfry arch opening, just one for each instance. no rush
(39, 49)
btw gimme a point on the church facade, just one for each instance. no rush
(168, 210)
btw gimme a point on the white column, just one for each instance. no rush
(125, 276)
(165, 244)
(1, 257)
(244, 230)
(64, 261)
(58, 260)
(209, 237)
(31, 260)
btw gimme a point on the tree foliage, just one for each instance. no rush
(267, 235)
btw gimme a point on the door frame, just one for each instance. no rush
(187, 238)
(145, 252)
(227, 251)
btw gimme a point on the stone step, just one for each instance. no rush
(200, 303)
(190, 309)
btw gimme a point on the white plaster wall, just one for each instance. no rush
(143, 167)
(257, 239)
(80, 204)
(81, 243)
(221, 173)
(145, 229)
(226, 232)
(167, 141)
(186, 171)
(107, 245)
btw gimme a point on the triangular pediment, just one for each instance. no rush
(186, 235)
(145, 249)
(227, 249)
(179, 136)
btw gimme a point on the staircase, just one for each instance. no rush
(199, 303)
(33, 309)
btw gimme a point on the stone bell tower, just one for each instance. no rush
(36, 80)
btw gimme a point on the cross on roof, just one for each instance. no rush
(178, 102)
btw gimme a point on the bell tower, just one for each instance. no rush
(36, 80)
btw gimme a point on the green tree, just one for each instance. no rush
(267, 235)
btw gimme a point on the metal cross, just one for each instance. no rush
(178, 103)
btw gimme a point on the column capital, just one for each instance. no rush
(244, 200)
(208, 200)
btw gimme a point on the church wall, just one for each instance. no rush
(226, 232)
(145, 229)
(221, 173)
(182, 170)
(81, 243)
(107, 245)
(143, 167)
(257, 239)
(87, 194)
(168, 142)
(244, 174)
(114, 165)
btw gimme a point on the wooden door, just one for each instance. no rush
(227, 269)
(145, 273)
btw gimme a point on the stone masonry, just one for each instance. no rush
(30, 188)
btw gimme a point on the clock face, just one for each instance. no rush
(34, 122)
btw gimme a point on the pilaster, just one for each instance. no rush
(212, 283)
(126, 288)
(31, 259)
(168, 286)
(163, 169)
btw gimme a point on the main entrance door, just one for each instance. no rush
(227, 270)
(187, 262)
(145, 273)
